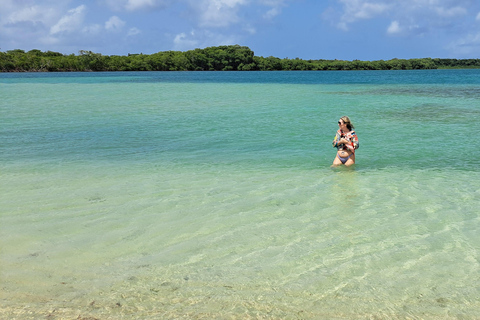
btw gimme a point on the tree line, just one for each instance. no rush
(220, 58)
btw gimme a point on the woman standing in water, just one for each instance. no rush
(346, 142)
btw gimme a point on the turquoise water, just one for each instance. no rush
(200, 195)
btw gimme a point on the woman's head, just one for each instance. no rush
(346, 120)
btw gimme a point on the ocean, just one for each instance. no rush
(210, 195)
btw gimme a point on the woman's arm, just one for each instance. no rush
(355, 141)
(337, 141)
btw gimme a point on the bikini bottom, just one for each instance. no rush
(344, 159)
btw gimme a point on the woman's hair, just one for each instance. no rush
(347, 121)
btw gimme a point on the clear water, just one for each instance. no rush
(209, 195)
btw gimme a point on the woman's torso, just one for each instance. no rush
(343, 150)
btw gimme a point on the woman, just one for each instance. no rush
(346, 142)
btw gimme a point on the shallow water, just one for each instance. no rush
(210, 195)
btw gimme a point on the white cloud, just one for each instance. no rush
(275, 8)
(468, 45)
(93, 29)
(478, 17)
(114, 24)
(17, 18)
(272, 13)
(209, 39)
(450, 12)
(218, 13)
(225, 13)
(354, 10)
(31, 13)
(69, 22)
(133, 5)
(394, 28)
(201, 38)
(369, 10)
(136, 5)
(26, 24)
(273, 3)
(184, 42)
(408, 16)
(133, 32)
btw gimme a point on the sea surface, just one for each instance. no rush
(209, 195)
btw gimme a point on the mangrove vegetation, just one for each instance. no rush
(221, 58)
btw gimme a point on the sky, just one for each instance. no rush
(305, 29)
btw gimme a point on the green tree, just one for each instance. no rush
(233, 57)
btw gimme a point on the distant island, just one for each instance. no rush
(221, 58)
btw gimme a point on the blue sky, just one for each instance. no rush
(307, 29)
